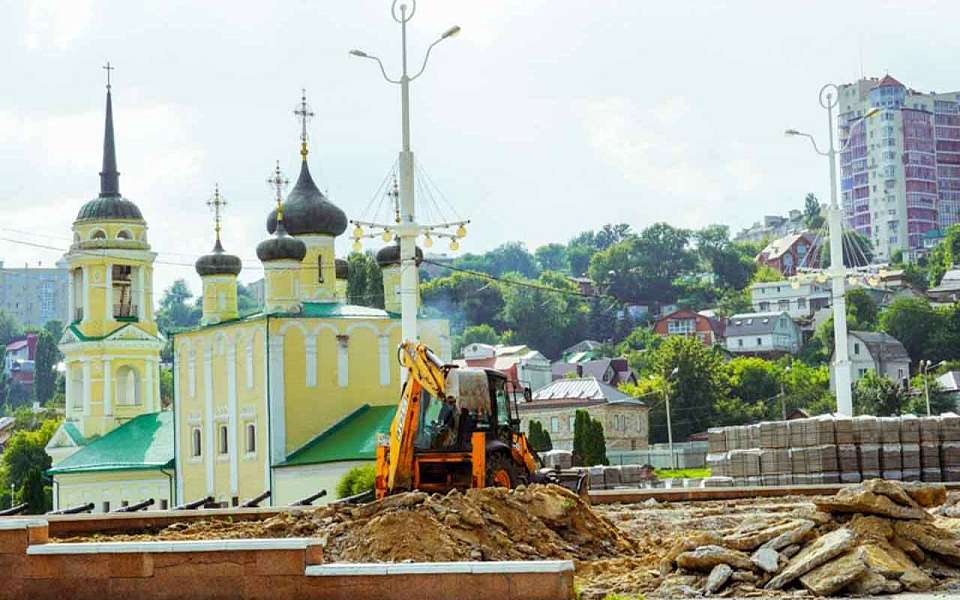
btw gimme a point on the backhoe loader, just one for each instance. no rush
(457, 428)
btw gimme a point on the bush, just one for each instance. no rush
(357, 480)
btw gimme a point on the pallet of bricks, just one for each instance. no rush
(835, 449)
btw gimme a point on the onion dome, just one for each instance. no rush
(307, 211)
(218, 263)
(343, 268)
(281, 246)
(109, 204)
(390, 255)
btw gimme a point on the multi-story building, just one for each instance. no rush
(686, 322)
(901, 169)
(762, 334)
(772, 226)
(799, 299)
(34, 296)
(790, 253)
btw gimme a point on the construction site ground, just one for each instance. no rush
(652, 548)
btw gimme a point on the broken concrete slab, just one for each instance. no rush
(813, 555)
(867, 502)
(689, 543)
(766, 559)
(930, 537)
(834, 575)
(926, 494)
(749, 538)
(706, 558)
(870, 584)
(718, 578)
(791, 537)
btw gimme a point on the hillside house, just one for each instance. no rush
(769, 334)
(688, 323)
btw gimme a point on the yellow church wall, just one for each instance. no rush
(113, 487)
(212, 472)
(219, 299)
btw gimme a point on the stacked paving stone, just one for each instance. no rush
(835, 449)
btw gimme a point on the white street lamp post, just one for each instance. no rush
(407, 229)
(925, 368)
(829, 98)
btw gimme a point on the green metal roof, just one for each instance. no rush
(336, 310)
(142, 443)
(71, 430)
(93, 338)
(352, 438)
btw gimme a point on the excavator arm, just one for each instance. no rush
(425, 373)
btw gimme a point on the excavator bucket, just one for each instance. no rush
(575, 480)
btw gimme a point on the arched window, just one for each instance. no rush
(128, 386)
(123, 234)
(98, 234)
(251, 438)
(196, 448)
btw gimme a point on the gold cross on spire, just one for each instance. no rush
(216, 204)
(108, 68)
(278, 183)
(304, 113)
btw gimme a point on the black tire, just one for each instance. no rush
(500, 469)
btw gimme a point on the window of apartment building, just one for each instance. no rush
(862, 372)
(681, 326)
(223, 446)
(740, 343)
(554, 424)
(899, 373)
(196, 447)
(801, 303)
(759, 341)
(856, 348)
(764, 306)
(783, 305)
(251, 438)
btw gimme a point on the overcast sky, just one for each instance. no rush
(541, 119)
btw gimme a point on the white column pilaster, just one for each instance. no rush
(87, 386)
(107, 388)
(232, 422)
(278, 417)
(142, 288)
(150, 376)
(108, 293)
(211, 448)
(383, 352)
(310, 347)
(178, 438)
(68, 399)
(343, 365)
(85, 292)
(71, 301)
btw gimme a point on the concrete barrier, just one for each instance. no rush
(32, 568)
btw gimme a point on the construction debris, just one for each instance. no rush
(879, 538)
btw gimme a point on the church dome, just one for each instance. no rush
(343, 269)
(281, 246)
(307, 211)
(218, 263)
(109, 208)
(390, 255)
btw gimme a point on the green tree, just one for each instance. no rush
(552, 257)
(597, 444)
(9, 328)
(45, 367)
(589, 445)
(812, 218)
(877, 395)
(862, 311)
(166, 386)
(916, 324)
(511, 257)
(731, 264)
(694, 379)
(465, 299)
(539, 438)
(24, 461)
(766, 274)
(176, 312)
(541, 318)
(246, 301)
(55, 328)
(480, 334)
(857, 250)
(940, 401)
(356, 481)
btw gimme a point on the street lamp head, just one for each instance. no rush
(791, 132)
(872, 112)
(359, 53)
(450, 32)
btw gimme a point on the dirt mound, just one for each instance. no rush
(528, 523)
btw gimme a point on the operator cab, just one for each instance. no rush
(477, 400)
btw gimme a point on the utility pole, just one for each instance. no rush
(407, 229)
(829, 98)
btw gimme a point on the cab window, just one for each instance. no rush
(503, 404)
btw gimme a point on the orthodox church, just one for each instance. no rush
(285, 400)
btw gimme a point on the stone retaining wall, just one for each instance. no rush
(34, 569)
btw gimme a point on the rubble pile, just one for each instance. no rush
(836, 449)
(527, 523)
(879, 537)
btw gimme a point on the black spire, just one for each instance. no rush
(109, 178)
